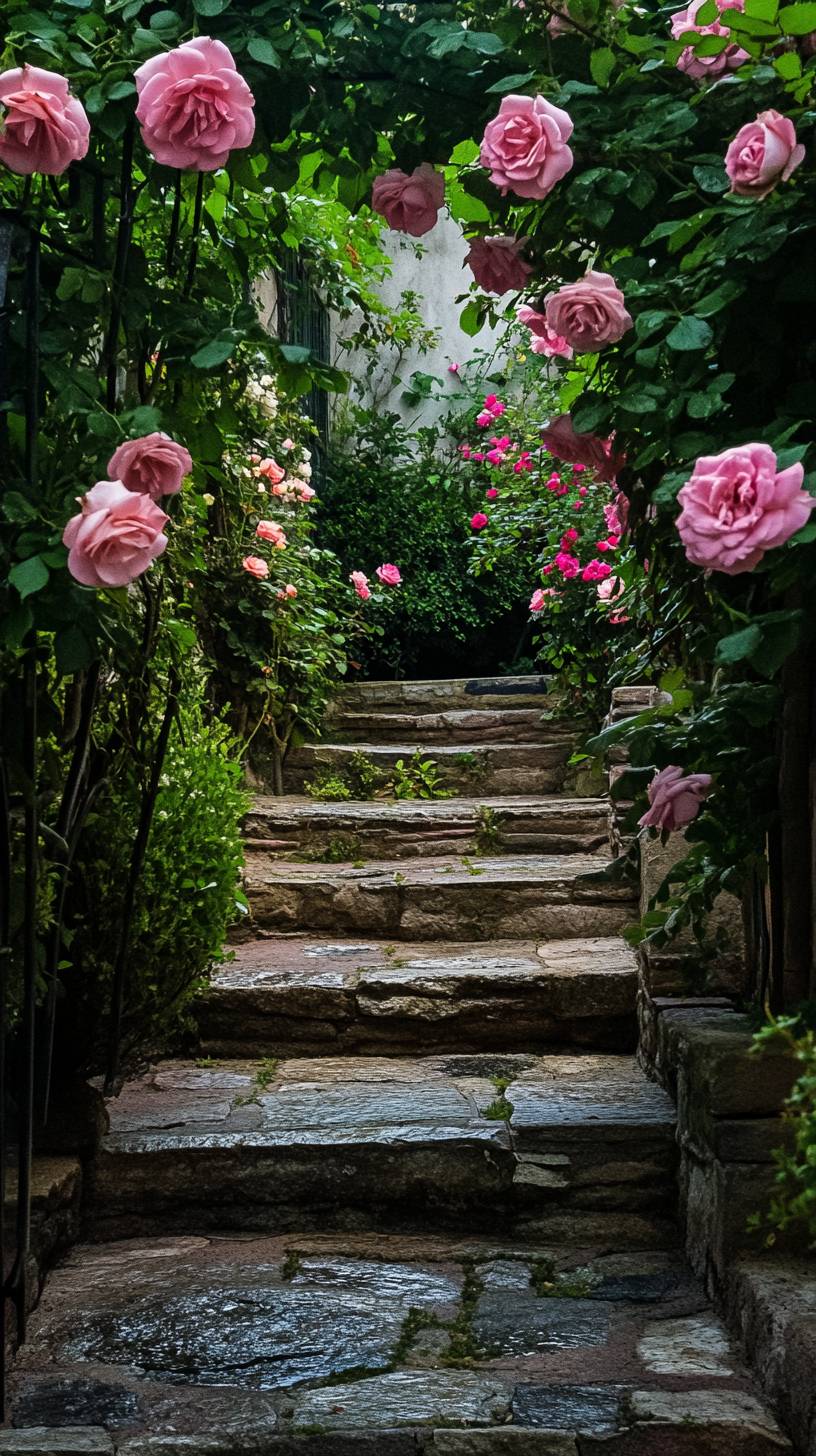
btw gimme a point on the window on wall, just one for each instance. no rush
(302, 318)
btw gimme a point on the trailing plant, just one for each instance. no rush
(793, 1205)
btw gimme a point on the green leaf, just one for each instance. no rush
(29, 576)
(210, 7)
(471, 317)
(264, 52)
(690, 334)
(296, 353)
(739, 645)
(465, 152)
(798, 19)
(789, 66)
(216, 352)
(711, 179)
(601, 64)
(16, 508)
(709, 12)
(510, 83)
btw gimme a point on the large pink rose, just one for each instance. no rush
(561, 440)
(706, 67)
(43, 128)
(525, 147)
(674, 798)
(497, 264)
(589, 314)
(409, 204)
(763, 153)
(153, 465)
(194, 108)
(738, 505)
(389, 574)
(115, 537)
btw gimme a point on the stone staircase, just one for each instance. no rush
(414, 1196)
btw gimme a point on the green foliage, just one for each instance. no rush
(417, 778)
(793, 1206)
(327, 786)
(355, 778)
(488, 836)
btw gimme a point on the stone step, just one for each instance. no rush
(369, 827)
(454, 725)
(438, 695)
(292, 996)
(359, 1346)
(470, 769)
(568, 1147)
(557, 897)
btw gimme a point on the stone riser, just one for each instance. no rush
(472, 772)
(380, 842)
(445, 694)
(520, 725)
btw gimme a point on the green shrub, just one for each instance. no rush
(793, 1204)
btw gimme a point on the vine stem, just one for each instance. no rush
(193, 258)
(110, 353)
(172, 236)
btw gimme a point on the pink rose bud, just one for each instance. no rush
(193, 107)
(491, 493)
(256, 566)
(271, 531)
(674, 798)
(44, 128)
(479, 521)
(453, 368)
(291, 590)
(589, 314)
(525, 147)
(360, 583)
(389, 574)
(497, 264)
(287, 444)
(738, 505)
(763, 153)
(707, 67)
(409, 204)
(153, 465)
(115, 536)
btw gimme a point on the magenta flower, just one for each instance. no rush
(596, 570)
(479, 521)
(567, 564)
(674, 798)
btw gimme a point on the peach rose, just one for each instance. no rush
(271, 531)
(763, 153)
(193, 107)
(497, 265)
(525, 146)
(674, 798)
(153, 465)
(271, 471)
(589, 314)
(115, 536)
(44, 128)
(738, 505)
(256, 566)
(409, 204)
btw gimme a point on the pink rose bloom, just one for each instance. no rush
(674, 798)
(738, 505)
(271, 531)
(359, 581)
(562, 441)
(479, 521)
(568, 537)
(706, 67)
(115, 536)
(153, 465)
(537, 600)
(256, 566)
(193, 106)
(544, 339)
(495, 456)
(290, 589)
(44, 129)
(287, 444)
(453, 368)
(491, 493)
(525, 147)
(596, 570)
(612, 519)
(272, 471)
(478, 455)
(495, 405)
(305, 493)
(568, 565)
(497, 264)
(524, 462)
(763, 153)
(409, 204)
(589, 314)
(484, 418)
(389, 574)
(609, 589)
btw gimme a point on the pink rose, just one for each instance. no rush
(359, 581)
(479, 521)
(596, 570)
(614, 524)
(706, 67)
(287, 444)
(44, 129)
(271, 470)
(409, 204)
(491, 493)
(288, 591)
(738, 505)
(306, 493)
(674, 798)
(453, 368)
(271, 531)
(562, 441)
(389, 574)
(544, 339)
(256, 566)
(525, 147)
(497, 264)
(193, 106)
(589, 314)
(763, 153)
(537, 600)
(153, 465)
(484, 418)
(115, 537)
(567, 564)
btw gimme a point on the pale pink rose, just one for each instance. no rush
(359, 581)
(271, 531)
(763, 153)
(193, 107)
(497, 264)
(674, 798)
(738, 505)
(43, 128)
(561, 440)
(290, 590)
(271, 471)
(706, 67)
(560, 24)
(589, 314)
(409, 204)
(525, 147)
(153, 465)
(609, 589)
(115, 537)
(544, 339)
(614, 524)
(389, 574)
(256, 566)
(537, 600)
(287, 444)
(305, 493)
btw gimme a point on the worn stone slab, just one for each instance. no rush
(570, 1407)
(413, 694)
(471, 769)
(448, 725)
(440, 899)
(695, 1346)
(70, 1441)
(406, 1398)
(511, 1319)
(772, 1307)
(602, 1097)
(291, 996)
(508, 1441)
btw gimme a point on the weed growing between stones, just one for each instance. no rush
(548, 1284)
(500, 1109)
(471, 868)
(471, 765)
(264, 1077)
(327, 786)
(463, 1347)
(292, 1264)
(417, 778)
(357, 779)
(339, 849)
(487, 839)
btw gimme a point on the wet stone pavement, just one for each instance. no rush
(157, 1346)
